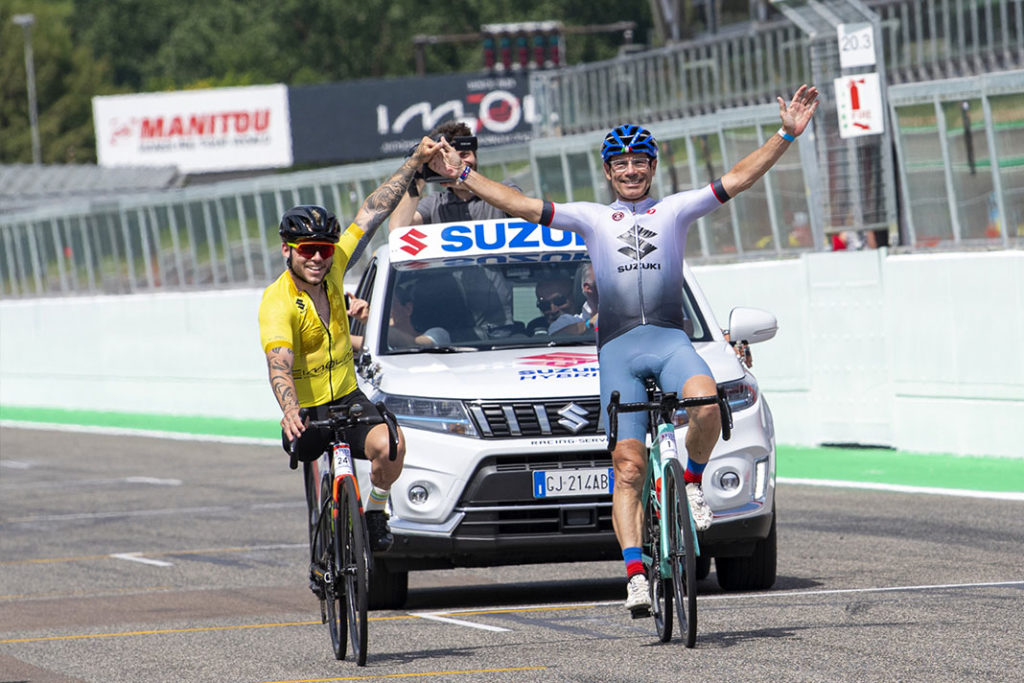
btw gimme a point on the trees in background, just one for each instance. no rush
(85, 48)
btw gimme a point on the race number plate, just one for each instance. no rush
(560, 483)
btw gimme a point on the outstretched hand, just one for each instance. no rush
(801, 108)
(447, 161)
(426, 150)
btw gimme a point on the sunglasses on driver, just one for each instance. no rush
(558, 300)
(311, 249)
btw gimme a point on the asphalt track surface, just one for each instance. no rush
(125, 558)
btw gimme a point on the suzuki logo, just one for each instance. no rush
(574, 417)
(413, 245)
(637, 248)
(560, 360)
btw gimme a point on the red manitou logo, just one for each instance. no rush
(413, 243)
(560, 360)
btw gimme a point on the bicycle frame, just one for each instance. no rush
(662, 448)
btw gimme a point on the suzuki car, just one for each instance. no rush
(498, 397)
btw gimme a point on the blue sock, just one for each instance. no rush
(694, 472)
(634, 561)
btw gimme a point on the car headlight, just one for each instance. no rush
(435, 415)
(741, 394)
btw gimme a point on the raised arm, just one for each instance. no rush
(795, 118)
(511, 201)
(385, 198)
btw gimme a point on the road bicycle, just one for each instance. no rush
(669, 538)
(339, 544)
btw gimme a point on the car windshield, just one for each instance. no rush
(476, 307)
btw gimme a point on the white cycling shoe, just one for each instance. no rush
(699, 507)
(638, 595)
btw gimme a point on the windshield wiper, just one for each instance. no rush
(575, 342)
(437, 349)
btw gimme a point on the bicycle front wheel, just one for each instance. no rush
(682, 550)
(660, 586)
(328, 570)
(353, 548)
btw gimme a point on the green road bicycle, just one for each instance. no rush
(669, 537)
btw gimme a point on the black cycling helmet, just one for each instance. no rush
(629, 138)
(309, 222)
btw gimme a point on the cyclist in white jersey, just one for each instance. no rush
(637, 245)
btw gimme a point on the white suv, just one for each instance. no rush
(506, 454)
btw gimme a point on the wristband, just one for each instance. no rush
(464, 174)
(786, 136)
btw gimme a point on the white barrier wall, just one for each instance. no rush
(922, 352)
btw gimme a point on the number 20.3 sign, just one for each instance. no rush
(856, 45)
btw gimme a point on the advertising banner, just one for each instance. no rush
(373, 119)
(200, 131)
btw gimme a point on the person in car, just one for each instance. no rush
(304, 332)
(636, 246)
(558, 308)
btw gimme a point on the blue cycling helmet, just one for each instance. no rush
(629, 138)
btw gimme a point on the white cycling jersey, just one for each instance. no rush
(637, 251)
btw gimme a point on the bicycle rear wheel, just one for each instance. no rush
(682, 550)
(353, 548)
(328, 569)
(661, 587)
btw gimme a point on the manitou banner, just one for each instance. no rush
(373, 119)
(199, 131)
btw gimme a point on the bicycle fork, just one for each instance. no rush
(663, 449)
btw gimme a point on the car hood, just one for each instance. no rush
(516, 373)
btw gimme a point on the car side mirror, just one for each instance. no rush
(751, 325)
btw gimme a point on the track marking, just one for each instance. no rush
(465, 672)
(198, 551)
(902, 488)
(154, 481)
(458, 622)
(137, 557)
(499, 610)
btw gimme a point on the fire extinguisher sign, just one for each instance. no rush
(859, 105)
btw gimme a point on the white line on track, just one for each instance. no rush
(457, 622)
(901, 488)
(447, 615)
(137, 557)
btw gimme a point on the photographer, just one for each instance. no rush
(455, 203)
(488, 295)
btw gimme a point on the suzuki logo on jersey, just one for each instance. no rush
(574, 417)
(413, 242)
(636, 245)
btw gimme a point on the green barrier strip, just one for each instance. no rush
(872, 465)
(877, 465)
(183, 424)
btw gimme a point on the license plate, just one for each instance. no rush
(559, 483)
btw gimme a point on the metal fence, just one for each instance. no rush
(753, 63)
(959, 148)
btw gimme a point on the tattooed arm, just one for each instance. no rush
(385, 198)
(279, 364)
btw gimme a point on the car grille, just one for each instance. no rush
(498, 501)
(552, 417)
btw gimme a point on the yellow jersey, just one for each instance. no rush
(323, 370)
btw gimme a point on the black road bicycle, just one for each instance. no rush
(339, 545)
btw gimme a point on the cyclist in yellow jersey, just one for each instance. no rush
(304, 332)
